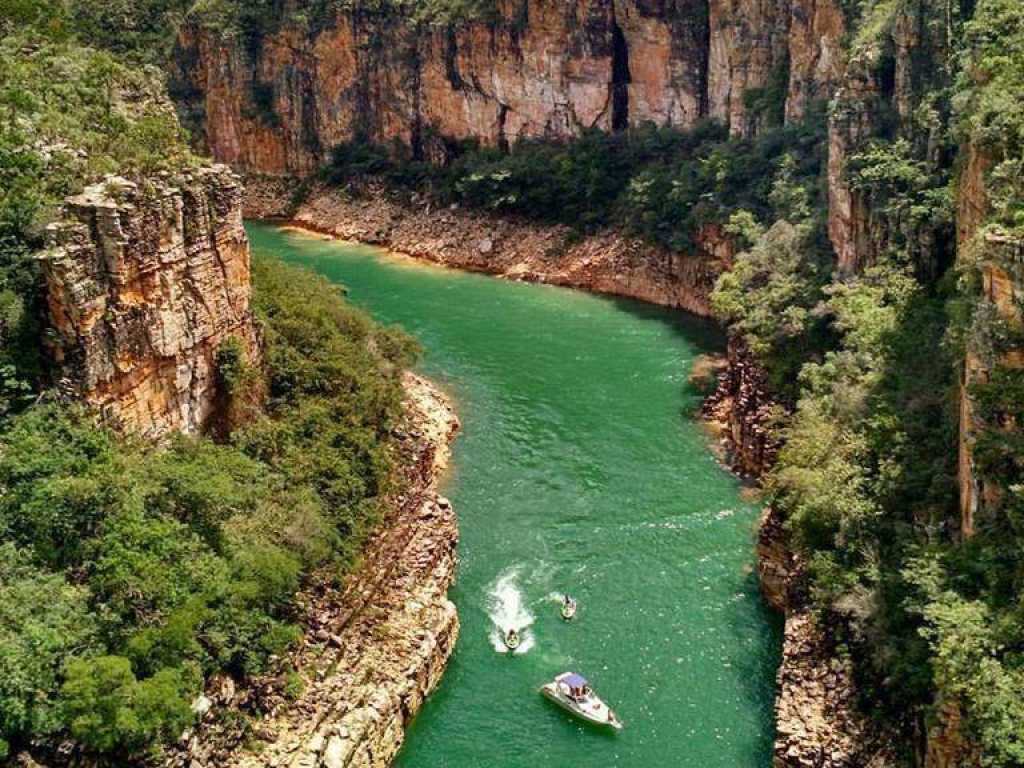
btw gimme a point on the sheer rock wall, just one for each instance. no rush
(143, 286)
(544, 68)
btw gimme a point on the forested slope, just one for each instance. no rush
(131, 572)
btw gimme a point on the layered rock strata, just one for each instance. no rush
(608, 262)
(374, 649)
(744, 408)
(540, 69)
(143, 285)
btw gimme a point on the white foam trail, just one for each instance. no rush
(508, 610)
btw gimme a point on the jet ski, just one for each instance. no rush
(512, 639)
(568, 608)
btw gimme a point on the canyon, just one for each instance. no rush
(275, 107)
(818, 717)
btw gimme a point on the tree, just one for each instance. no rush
(43, 619)
(109, 710)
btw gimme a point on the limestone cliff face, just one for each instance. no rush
(876, 96)
(997, 259)
(143, 285)
(853, 119)
(1002, 293)
(743, 404)
(545, 68)
(998, 295)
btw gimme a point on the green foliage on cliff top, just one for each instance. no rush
(661, 184)
(128, 574)
(253, 20)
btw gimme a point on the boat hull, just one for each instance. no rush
(600, 715)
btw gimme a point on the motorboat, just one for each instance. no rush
(568, 608)
(573, 693)
(512, 640)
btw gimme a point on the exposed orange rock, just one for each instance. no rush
(816, 55)
(143, 285)
(544, 69)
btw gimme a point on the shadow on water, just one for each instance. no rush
(758, 670)
(705, 334)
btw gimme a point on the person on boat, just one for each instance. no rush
(512, 638)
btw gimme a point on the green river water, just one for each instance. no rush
(579, 468)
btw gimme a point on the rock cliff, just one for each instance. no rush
(144, 283)
(884, 92)
(742, 404)
(543, 68)
(997, 259)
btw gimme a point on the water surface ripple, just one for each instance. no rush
(578, 469)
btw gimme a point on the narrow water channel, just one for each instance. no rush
(579, 469)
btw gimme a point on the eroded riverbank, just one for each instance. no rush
(606, 262)
(816, 714)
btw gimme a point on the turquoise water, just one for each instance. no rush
(579, 468)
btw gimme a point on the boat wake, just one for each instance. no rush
(507, 609)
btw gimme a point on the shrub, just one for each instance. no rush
(109, 710)
(43, 620)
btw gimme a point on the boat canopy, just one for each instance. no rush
(575, 682)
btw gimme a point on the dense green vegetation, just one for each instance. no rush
(867, 479)
(130, 573)
(659, 183)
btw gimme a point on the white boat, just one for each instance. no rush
(573, 693)
(568, 608)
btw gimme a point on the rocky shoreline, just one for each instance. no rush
(818, 722)
(607, 262)
(374, 648)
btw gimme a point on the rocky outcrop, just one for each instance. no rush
(819, 723)
(853, 119)
(997, 259)
(1002, 289)
(887, 78)
(608, 262)
(744, 407)
(374, 649)
(542, 68)
(144, 284)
